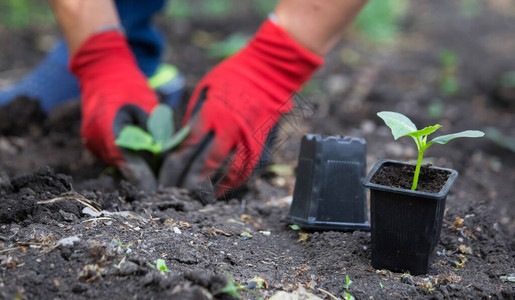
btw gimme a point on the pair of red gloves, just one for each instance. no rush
(231, 111)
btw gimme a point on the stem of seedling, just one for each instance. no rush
(421, 147)
(417, 171)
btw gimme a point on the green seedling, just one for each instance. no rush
(160, 136)
(349, 296)
(160, 265)
(381, 285)
(246, 236)
(348, 282)
(127, 248)
(403, 126)
(234, 289)
(295, 227)
(230, 288)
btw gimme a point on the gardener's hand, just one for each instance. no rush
(114, 94)
(233, 110)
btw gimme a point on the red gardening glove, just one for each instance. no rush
(114, 93)
(233, 109)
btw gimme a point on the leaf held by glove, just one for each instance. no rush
(160, 137)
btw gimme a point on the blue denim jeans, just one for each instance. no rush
(145, 40)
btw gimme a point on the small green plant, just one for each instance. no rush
(403, 126)
(295, 227)
(126, 247)
(348, 296)
(159, 138)
(348, 282)
(160, 265)
(381, 285)
(230, 288)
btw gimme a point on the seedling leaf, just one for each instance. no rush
(230, 288)
(425, 131)
(135, 138)
(348, 282)
(349, 296)
(398, 123)
(467, 133)
(160, 123)
(161, 265)
(246, 235)
(176, 139)
(295, 227)
(159, 138)
(402, 126)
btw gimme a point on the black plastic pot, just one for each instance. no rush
(405, 224)
(328, 192)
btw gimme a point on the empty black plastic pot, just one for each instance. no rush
(328, 191)
(405, 224)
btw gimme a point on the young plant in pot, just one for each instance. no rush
(407, 201)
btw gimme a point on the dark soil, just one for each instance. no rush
(72, 229)
(430, 179)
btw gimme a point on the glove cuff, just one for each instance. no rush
(276, 63)
(100, 53)
(103, 64)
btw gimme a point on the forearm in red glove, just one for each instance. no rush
(114, 93)
(233, 110)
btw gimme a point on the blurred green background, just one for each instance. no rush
(379, 21)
